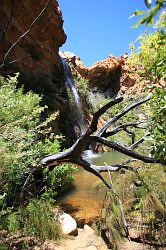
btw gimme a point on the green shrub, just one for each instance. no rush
(59, 179)
(39, 221)
(149, 57)
(143, 195)
(157, 124)
(111, 222)
(20, 145)
(83, 87)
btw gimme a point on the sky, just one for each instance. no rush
(98, 28)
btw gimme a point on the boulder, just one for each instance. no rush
(69, 225)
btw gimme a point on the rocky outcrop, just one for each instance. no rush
(108, 75)
(38, 50)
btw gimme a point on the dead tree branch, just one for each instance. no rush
(136, 144)
(75, 153)
(121, 127)
(102, 131)
(123, 150)
(101, 111)
(24, 34)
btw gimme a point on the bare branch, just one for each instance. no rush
(24, 34)
(123, 150)
(9, 20)
(92, 169)
(96, 116)
(136, 144)
(115, 167)
(120, 128)
(102, 131)
(131, 134)
(16, 60)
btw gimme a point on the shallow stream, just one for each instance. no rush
(85, 198)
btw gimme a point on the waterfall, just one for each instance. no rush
(71, 87)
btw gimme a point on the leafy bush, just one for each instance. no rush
(83, 87)
(111, 221)
(60, 178)
(161, 22)
(39, 221)
(158, 124)
(20, 144)
(149, 15)
(149, 57)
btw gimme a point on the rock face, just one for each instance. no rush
(108, 75)
(37, 51)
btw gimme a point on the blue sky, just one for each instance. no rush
(95, 29)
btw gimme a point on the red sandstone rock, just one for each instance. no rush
(112, 73)
(38, 49)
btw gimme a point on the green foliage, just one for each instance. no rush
(20, 144)
(39, 221)
(13, 222)
(59, 179)
(83, 87)
(24, 139)
(161, 22)
(36, 219)
(150, 200)
(111, 221)
(158, 124)
(18, 114)
(149, 58)
(142, 193)
(149, 15)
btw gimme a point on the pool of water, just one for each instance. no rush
(86, 197)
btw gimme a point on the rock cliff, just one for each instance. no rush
(38, 50)
(109, 75)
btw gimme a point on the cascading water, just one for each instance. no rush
(71, 86)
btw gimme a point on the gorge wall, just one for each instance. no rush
(37, 51)
(110, 75)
